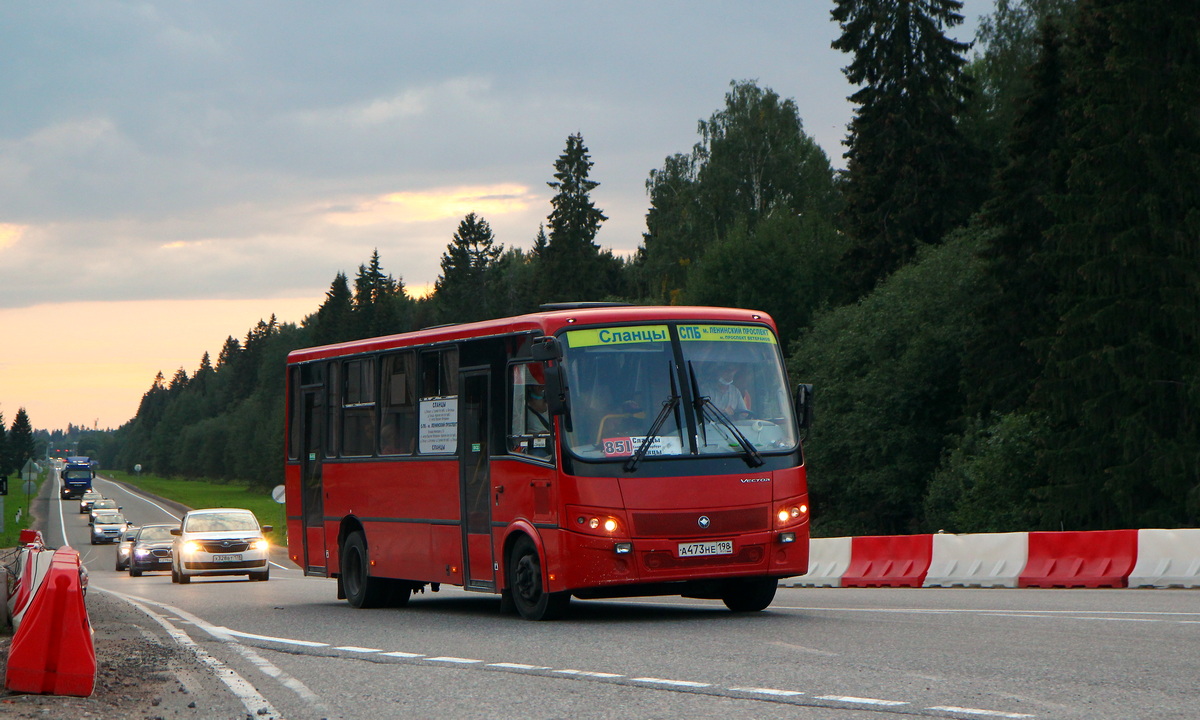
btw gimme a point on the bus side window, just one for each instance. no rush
(398, 430)
(358, 407)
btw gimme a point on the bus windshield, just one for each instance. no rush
(631, 383)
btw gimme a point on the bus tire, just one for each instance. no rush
(362, 590)
(525, 584)
(750, 595)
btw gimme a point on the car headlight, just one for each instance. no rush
(261, 544)
(191, 546)
(141, 552)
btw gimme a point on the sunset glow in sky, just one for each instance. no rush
(173, 172)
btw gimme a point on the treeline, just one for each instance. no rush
(997, 299)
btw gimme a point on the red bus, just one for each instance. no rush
(589, 450)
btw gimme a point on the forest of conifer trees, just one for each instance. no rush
(997, 300)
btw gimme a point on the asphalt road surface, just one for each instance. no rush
(288, 648)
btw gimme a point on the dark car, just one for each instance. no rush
(151, 549)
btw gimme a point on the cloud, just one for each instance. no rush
(433, 204)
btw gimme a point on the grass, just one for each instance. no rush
(205, 493)
(14, 501)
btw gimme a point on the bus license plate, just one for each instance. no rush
(696, 549)
(227, 558)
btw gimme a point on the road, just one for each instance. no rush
(290, 649)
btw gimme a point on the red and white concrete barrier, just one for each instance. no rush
(1101, 558)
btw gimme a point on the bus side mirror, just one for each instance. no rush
(558, 401)
(804, 406)
(546, 348)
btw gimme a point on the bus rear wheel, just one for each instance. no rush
(749, 595)
(362, 590)
(525, 585)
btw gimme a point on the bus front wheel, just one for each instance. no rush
(362, 590)
(749, 595)
(525, 585)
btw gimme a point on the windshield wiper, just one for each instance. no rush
(707, 410)
(668, 405)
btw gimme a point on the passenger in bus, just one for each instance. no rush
(726, 396)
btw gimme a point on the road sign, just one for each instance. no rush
(30, 487)
(30, 470)
(279, 494)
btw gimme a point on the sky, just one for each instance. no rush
(173, 172)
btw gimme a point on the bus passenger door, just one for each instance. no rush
(475, 481)
(312, 487)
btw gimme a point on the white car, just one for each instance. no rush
(220, 541)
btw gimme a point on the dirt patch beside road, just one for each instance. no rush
(140, 673)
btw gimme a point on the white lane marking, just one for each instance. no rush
(673, 683)
(767, 691)
(286, 641)
(977, 711)
(228, 637)
(242, 690)
(62, 521)
(588, 673)
(861, 701)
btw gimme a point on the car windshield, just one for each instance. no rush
(104, 504)
(221, 522)
(110, 519)
(154, 534)
(623, 381)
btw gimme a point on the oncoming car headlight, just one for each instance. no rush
(261, 544)
(191, 546)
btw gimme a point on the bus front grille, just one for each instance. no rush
(701, 523)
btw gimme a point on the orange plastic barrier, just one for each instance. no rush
(52, 652)
(1099, 558)
(888, 561)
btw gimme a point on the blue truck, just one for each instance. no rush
(77, 476)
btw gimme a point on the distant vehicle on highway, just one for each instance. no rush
(125, 547)
(220, 541)
(107, 527)
(76, 477)
(86, 500)
(102, 504)
(151, 549)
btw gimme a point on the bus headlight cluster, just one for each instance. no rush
(791, 513)
(596, 522)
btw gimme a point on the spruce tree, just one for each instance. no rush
(462, 289)
(911, 176)
(1003, 364)
(20, 440)
(571, 266)
(1122, 376)
(5, 451)
(333, 321)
